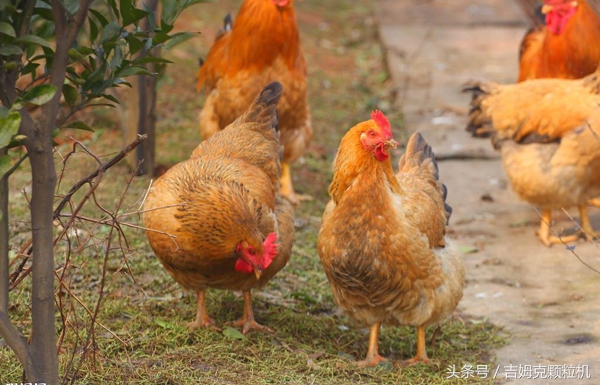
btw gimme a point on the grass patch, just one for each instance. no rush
(145, 311)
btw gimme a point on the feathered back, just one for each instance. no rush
(418, 176)
(262, 33)
(534, 111)
(253, 136)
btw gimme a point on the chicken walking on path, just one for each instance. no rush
(544, 297)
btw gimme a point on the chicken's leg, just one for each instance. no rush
(586, 226)
(247, 321)
(544, 231)
(287, 187)
(373, 357)
(202, 318)
(421, 356)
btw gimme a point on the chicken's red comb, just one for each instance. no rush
(269, 250)
(383, 122)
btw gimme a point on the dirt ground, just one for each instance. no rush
(546, 298)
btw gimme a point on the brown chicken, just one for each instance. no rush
(214, 220)
(550, 154)
(382, 242)
(263, 45)
(564, 44)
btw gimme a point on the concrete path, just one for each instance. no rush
(544, 297)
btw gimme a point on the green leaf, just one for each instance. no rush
(85, 51)
(70, 93)
(5, 165)
(134, 71)
(135, 44)
(151, 16)
(468, 249)
(130, 13)
(39, 95)
(10, 49)
(179, 38)
(9, 126)
(101, 19)
(44, 12)
(109, 32)
(113, 6)
(111, 98)
(74, 54)
(164, 324)
(93, 29)
(7, 29)
(232, 333)
(30, 69)
(79, 125)
(33, 39)
(151, 59)
(160, 38)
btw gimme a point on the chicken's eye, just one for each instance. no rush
(371, 133)
(251, 251)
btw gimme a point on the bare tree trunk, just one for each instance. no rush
(140, 115)
(43, 331)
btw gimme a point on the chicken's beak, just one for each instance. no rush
(547, 8)
(390, 143)
(257, 272)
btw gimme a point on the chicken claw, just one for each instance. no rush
(586, 226)
(247, 322)
(202, 319)
(373, 358)
(287, 187)
(421, 356)
(544, 232)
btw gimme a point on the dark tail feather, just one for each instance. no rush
(226, 28)
(417, 149)
(263, 111)
(533, 10)
(479, 125)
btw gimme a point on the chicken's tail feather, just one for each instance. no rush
(479, 125)
(263, 111)
(226, 28)
(420, 154)
(533, 10)
(592, 81)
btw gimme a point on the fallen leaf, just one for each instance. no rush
(232, 333)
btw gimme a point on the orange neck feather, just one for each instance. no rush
(352, 160)
(261, 33)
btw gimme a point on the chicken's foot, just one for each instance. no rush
(594, 202)
(287, 187)
(373, 358)
(247, 322)
(202, 319)
(544, 231)
(421, 356)
(586, 226)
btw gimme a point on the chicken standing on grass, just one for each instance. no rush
(548, 133)
(261, 46)
(382, 242)
(214, 220)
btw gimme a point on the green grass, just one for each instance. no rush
(146, 311)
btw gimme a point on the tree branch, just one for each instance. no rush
(102, 168)
(16, 341)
